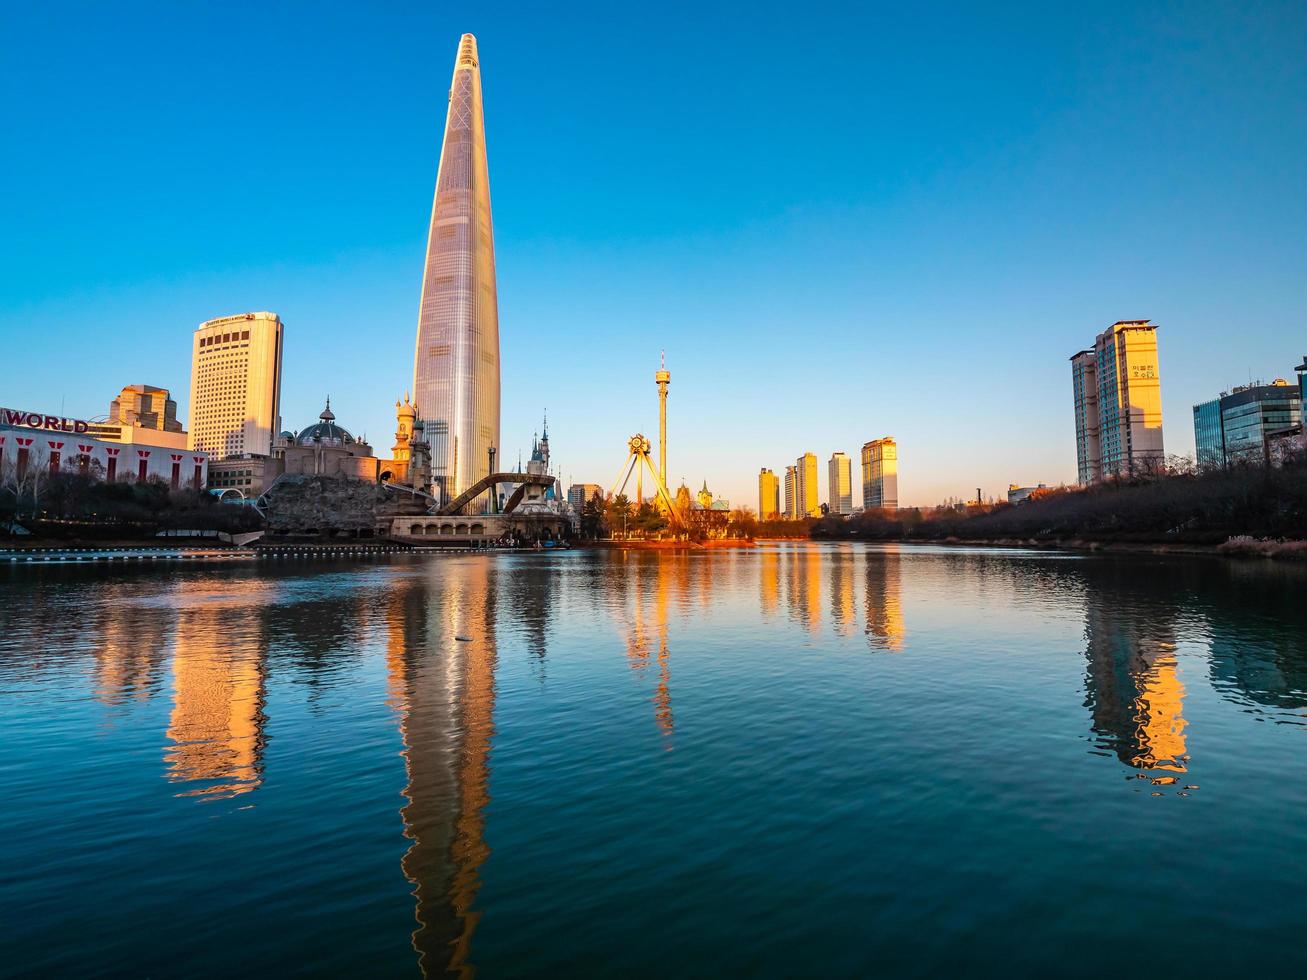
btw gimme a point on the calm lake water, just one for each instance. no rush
(797, 760)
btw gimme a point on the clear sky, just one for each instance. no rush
(842, 221)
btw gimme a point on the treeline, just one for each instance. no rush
(1193, 508)
(620, 517)
(74, 505)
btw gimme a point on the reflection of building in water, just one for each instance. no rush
(841, 592)
(1133, 685)
(769, 581)
(216, 727)
(803, 585)
(1257, 668)
(131, 648)
(444, 689)
(884, 605)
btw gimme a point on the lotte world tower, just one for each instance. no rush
(456, 364)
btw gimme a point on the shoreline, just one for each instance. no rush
(1236, 546)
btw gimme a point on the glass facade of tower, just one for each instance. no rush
(1209, 440)
(456, 363)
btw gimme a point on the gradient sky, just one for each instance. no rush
(841, 221)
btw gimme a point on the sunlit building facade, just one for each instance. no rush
(791, 493)
(839, 482)
(1119, 414)
(236, 385)
(805, 477)
(880, 474)
(579, 494)
(769, 495)
(1084, 383)
(456, 361)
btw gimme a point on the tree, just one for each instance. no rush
(618, 513)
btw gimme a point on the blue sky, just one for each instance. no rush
(841, 221)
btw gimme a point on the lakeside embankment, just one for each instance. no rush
(1252, 511)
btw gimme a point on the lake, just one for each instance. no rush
(799, 759)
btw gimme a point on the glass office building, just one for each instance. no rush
(456, 363)
(1209, 439)
(1237, 427)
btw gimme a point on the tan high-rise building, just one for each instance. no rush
(456, 362)
(880, 474)
(791, 493)
(236, 385)
(1118, 403)
(146, 407)
(839, 477)
(769, 495)
(805, 475)
(143, 415)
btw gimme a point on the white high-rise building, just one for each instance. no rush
(839, 474)
(236, 385)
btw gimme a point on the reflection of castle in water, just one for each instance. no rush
(216, 726)
(441, 662)
(1133, 685)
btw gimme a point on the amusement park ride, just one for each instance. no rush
(637, 458)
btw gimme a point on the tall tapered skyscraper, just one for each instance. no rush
(456, 364)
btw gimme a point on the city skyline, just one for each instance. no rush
(954, 230)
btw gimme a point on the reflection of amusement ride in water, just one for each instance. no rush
(665, 568)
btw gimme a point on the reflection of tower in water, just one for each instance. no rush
(444, 690)
(884, 605)
(216, 726)
(665, 569)
(1133, 685)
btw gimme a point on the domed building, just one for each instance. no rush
(327, 448)
(326, 432)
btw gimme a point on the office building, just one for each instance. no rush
(1239, 426)
(236, 385)
(805, 483)
(769, 495)
(456, 362)
(791, 493)
(880, 474)
(839, 477)
(579, 494)
(1118, 403)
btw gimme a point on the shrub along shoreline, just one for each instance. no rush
(1252, 511)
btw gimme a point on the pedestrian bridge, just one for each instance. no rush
(522, 480)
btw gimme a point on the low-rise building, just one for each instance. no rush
(1016, 494)
(31, 442)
